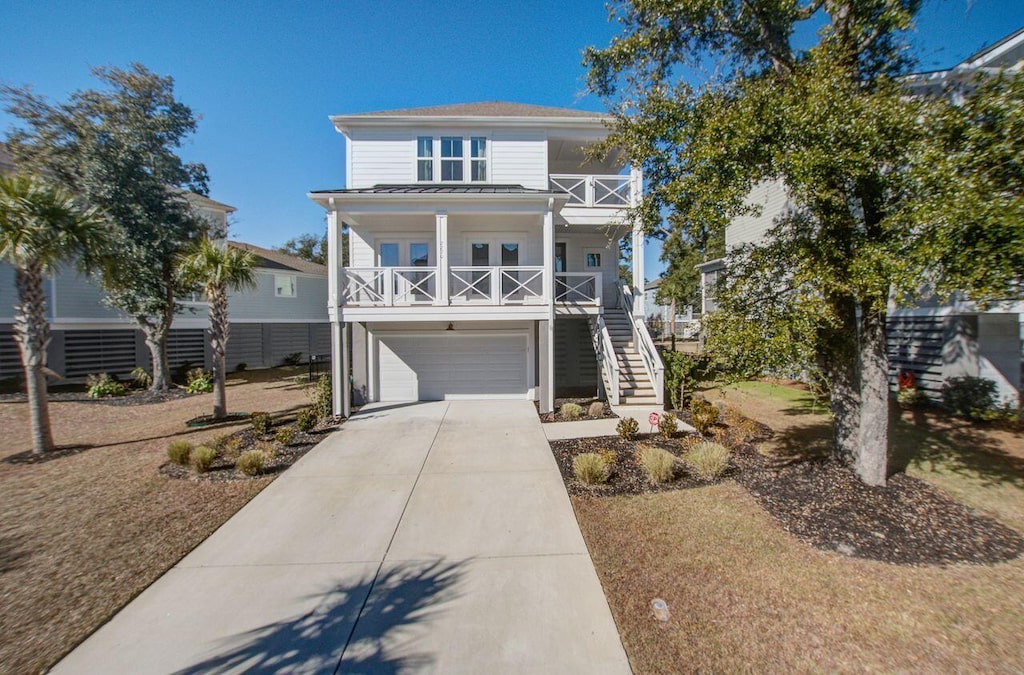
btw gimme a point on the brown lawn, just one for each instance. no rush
(746, 596)
(81, 535)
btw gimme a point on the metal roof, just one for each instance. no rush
(434, 189)
(483, 109)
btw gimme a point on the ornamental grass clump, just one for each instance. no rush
(596, 409)
(708, 460)
(305, 420)
(571, 411)
(102, 385)
(591, 468)
(285, 435)
(628, 429)
(202, 458)
(199, 381)
(260, 423)
(179, 452)
(658, 464)
(704, 415)
(141, 377)
(251, 462)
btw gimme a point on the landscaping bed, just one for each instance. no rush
(585, 404)
(79, 395)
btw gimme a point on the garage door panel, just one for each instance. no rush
(453, 366)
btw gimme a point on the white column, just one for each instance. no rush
(442, 258)
(334, 278)
(338, 368)
(346, 368)
(547, 396)
(636, 187)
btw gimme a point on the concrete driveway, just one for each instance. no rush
(429, 537)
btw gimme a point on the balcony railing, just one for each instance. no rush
(594, 191)
(409, 286)
(578, 288)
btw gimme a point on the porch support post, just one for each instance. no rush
(636, 185)
(341, 393)
(334, 275)
(547, 396)
(442, 257)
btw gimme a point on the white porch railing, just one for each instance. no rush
(644, 345)
(607, 362)
(578, 288)
(594, 191)
(403, 286)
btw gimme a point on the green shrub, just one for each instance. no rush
(596, 409)
(251, 462)
(658, 464)
(683, 372)
(260, 423)
(285, 435)
(141, 377)
(571, 411)
(305, 420)
(708, 460)
(669, 425)
(293, 359)
(202, 458)
(179, 452)
(911, 396)
(970, 397)
(103, 385)
(590, 468)
(322, 398)
(199, 381)
(628, 428)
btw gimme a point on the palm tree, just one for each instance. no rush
(42, 226)
(218, 268)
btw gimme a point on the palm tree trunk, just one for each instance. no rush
(32, 332)
(219, 329)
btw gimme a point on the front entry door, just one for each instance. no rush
(560, 260)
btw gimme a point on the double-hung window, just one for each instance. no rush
(425, 158)
(451, 158)
(478, 159)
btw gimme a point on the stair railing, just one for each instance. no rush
(606, 359)
(644, 345)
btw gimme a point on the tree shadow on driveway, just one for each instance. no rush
(319, 641)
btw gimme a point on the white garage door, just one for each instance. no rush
(453, 366)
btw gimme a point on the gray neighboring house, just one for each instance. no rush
(286, 313)
(662, 314)
(934, 340)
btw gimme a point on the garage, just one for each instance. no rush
(453, 365)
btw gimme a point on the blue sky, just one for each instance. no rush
(264, 76)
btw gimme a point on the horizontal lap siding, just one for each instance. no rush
(262, 302)
(245, 345)
(381, 157)
(285, 339)
(771, 198)
(520, 158)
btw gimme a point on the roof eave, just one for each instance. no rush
(344, 123)
(324, 198)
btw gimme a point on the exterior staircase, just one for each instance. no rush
(635, 387)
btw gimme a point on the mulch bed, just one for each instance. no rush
(823, 503)
(30, 457)
(223, 468)
(132, 398)
(584, 403)
(627, 476)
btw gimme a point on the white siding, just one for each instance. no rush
(381, 157)
(519, 158)
(771, 197)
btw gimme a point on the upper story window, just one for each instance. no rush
(284, 285)
(425, 158)
(451, 159)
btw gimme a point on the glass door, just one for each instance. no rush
(560, 287)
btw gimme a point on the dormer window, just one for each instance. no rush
(451, 159)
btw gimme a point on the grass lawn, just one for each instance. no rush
(744, 595)
(82, 535)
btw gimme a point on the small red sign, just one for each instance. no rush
(654, 418)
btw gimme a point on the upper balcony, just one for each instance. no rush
(373, 293)
(596, 199)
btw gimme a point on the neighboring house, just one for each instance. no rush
(933, 340)
(484, 252)
(283, 315)
(661, 315)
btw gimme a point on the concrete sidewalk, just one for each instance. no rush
(556, 431)
(432, 537)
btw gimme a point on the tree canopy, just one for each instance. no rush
(714, 99)
(116, 147)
